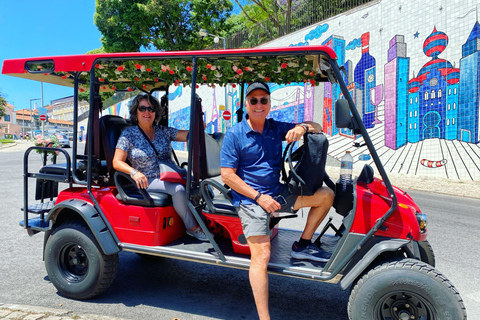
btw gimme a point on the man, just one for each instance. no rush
(251, 161)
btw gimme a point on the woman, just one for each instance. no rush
(145, 113)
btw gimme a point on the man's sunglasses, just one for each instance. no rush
(254, 101)
(143, 109)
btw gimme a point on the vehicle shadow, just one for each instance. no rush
(198, 290)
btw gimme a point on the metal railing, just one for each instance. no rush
(304, 13)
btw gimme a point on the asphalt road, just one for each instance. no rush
(166, 289)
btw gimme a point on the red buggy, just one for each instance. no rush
(379, 252)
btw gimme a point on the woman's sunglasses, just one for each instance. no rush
(254, 101)
(143, 109)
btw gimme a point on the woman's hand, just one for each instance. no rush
(119, 164)
(141, 180)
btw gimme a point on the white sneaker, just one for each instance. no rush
(198, 234)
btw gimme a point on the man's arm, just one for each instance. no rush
(300, 129)
(230, 177)
(312, 126)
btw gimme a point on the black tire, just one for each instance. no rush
(405, 289)
(76, 264)
(426, 252)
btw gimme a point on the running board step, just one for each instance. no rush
(42, 207)
(35, 225)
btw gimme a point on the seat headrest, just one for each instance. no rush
(213, 146)
(111, 127)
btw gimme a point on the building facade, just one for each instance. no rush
(8, 124)
(62, 109)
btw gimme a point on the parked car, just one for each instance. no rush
(64, 140)
(70, 136)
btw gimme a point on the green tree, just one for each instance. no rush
(268, 14)
(129, 25)
(3, 104)
(263, 20)
(99, 50)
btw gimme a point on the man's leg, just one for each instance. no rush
(260, 255)
(320, 202)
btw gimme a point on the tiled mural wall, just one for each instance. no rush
(413, 70)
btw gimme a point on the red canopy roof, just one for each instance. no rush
(65, 66)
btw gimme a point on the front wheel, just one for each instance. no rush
(405, 289)
(426, 252)
(76, 265)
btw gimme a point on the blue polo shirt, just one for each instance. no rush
(256, 156)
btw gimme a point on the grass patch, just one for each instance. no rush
(7, 141)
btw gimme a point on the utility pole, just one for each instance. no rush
(31, 116)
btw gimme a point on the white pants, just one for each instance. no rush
(177, 191)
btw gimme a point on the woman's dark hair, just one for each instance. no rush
(133, 105)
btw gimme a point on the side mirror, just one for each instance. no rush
(342, 114)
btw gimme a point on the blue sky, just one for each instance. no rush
(40, 28)
(33, 28)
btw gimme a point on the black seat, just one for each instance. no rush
(54, 168)
(128, 193)
(111, 127)
(217, 203)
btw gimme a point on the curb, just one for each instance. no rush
(8, 145)
(23, 312)
(16, 143)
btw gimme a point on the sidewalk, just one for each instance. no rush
(16, 143)
(459, 188)
(7, 145)
(9, 311)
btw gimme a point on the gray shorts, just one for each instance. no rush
(256, 221)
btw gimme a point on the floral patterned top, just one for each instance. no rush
(140, 153)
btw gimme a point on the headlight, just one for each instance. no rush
(422, 221)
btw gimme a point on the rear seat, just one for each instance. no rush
(128, 193)
(111, 127)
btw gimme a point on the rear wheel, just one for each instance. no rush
(402, 290)
(75, 263)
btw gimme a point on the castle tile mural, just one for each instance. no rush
(413, 70)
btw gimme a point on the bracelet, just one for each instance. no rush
(133, 172)
(257, 196)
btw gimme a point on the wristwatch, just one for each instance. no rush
(305, 126)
